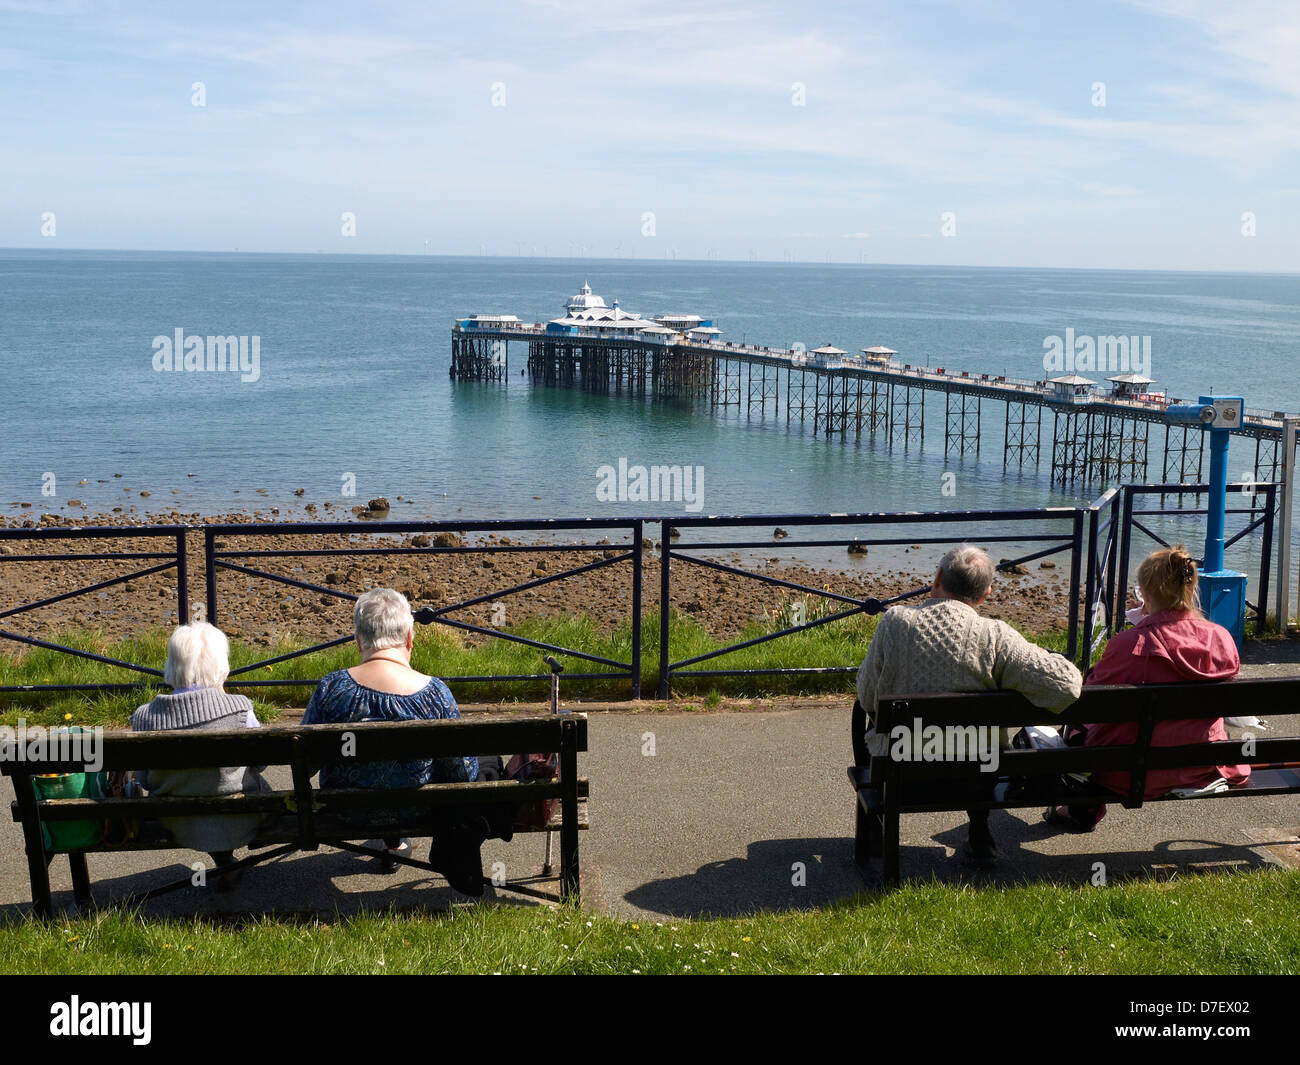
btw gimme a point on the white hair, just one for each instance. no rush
(198, 655)
(382, 618)
(966, 573)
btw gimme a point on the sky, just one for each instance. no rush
(1152, 134)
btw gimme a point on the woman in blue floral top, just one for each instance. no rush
(384, 687)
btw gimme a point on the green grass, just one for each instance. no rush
(1216, 923)
(444, 652)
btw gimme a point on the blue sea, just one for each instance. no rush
(353, 379)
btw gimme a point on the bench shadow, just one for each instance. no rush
(1094, 857)
(308, 883)
(775, 874)
(766, 879)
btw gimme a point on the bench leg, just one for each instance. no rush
(569, 876)
(80, 878)
(890, 845)
(868, 838)
(38, 871)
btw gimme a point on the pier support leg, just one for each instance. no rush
(961, 423)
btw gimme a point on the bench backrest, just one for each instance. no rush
(1146, 705)
(304, 749)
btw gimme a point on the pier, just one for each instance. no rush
(1097, 437)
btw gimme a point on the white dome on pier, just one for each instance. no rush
(585, 300)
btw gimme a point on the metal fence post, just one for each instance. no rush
(1090, 588)
(664, 658)
(1265, 556)
(638, 537)
(1289, 428)
(1112, 577)
(1076, 558)
(1126, 529)
(210, 573)
(182, 581)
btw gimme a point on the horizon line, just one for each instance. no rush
(646, 261)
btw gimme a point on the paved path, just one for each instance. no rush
(733, 811)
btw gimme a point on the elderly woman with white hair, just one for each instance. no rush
(384, 687)
(198, 662)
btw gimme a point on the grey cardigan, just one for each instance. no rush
(212, 709)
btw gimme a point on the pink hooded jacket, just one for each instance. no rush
(1173, 646)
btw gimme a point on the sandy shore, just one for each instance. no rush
(262, 611)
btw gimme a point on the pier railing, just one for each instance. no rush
(1096, 547)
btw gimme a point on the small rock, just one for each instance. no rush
(75, 503)
(1047, 563)
(541, 565)
(420, 540)
(296, 491)
(378, 503)
(447, 539)
(856, 548)
(779, 534)
(487, 563)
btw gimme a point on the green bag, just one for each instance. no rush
(65, 835)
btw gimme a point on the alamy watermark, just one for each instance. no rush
(1071, 354)
(38, 744)
(658, 484)
(946, 743)
(80, 1019)
(215, 354)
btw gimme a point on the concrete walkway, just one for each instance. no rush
(721, 813)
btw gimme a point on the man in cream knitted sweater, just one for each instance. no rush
(944, 645)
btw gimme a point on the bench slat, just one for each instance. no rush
(324, 744)
(284, 830)
(1165, 702)
(486, 791)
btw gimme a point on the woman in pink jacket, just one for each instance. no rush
(1172, 643)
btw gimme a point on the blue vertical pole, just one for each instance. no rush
(1218, 500)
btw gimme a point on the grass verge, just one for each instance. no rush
(449, 653)
(1222, 923)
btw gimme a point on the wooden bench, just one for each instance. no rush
(305, 817)
(887, 788)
